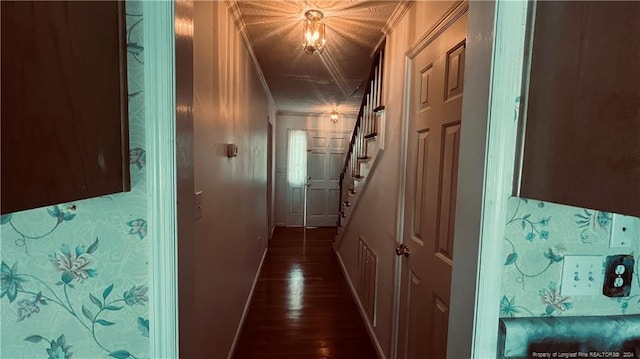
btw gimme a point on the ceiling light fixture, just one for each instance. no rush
(313, 32)
(334, 116)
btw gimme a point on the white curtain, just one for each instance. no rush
(297, 161)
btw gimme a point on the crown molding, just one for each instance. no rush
(234, 12)
(397, 15)
(454, 13)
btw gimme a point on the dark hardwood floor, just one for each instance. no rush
(302, 307)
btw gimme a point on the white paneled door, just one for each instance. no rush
(437, 78)
(325, 156)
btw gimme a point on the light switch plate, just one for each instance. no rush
(582, 275)
(625, 231)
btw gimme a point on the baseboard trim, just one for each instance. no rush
(363, 312)
(245, 311)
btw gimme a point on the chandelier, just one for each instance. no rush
(313, 32)
(334, 116)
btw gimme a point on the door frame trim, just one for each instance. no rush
(404, 139)
(509, 74)
(160, 124)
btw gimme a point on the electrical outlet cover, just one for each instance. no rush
(619, 274)
(625, 231)
(582, 275)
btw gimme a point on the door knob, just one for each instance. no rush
(402, 250)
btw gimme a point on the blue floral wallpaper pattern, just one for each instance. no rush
(74, 276)
(538, 235)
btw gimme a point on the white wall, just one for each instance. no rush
(375, 219)
(230, 106)
(285, 122)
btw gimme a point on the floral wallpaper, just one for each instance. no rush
(75, 275)
(538, 235)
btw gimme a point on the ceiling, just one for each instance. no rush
(314, 83)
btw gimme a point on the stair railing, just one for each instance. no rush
(366, 128)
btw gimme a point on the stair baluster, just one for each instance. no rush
(366, 128)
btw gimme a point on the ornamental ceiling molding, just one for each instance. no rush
(454, 13)
(396, 16)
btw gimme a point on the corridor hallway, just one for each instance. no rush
(302, 307)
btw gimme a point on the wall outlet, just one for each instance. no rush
(625, 231)
(619, 274)
(582, 275)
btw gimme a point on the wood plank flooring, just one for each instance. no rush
(302, 307)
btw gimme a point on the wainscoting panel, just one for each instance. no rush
(367, 279)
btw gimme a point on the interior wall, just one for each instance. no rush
(375, 219)
(287, 122)
(63, 265)
(230, 107)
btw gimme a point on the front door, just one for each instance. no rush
(437, 78)
(325, 156)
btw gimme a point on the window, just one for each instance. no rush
(297, 160)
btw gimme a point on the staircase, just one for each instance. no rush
(366, 143)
